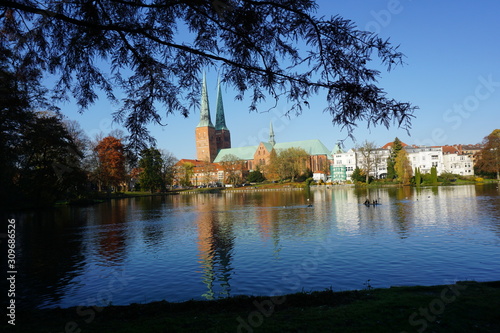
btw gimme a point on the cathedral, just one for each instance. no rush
(209, 139)
(213, 147)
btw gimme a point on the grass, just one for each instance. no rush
(463, 307)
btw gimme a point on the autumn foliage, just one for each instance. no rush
(111, 155)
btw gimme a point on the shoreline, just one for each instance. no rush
(466, 306)
(98, 198)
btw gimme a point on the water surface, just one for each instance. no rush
(208, 246)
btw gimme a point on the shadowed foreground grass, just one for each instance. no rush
(462, 307)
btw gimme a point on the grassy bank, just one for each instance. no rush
(462, 307)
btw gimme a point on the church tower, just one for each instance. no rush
(206, 148)
(222, 134)
(271, 134)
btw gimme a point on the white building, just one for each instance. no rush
(457, 162)
(445, 159)
(425, 158)
(346, 159)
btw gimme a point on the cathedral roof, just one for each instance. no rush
(312, 147)
(242, 153)
(220, 119)
(204, 107)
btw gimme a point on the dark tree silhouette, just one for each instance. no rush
(156, 50)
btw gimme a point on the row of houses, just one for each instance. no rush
(335, 166)
(456, 159)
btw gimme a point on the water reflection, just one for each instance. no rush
(216, 245)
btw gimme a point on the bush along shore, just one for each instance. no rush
(458, 307)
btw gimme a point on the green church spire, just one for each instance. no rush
(220, 119)
(271, 134)
(204, 107)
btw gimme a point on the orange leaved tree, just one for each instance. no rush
(111, 170)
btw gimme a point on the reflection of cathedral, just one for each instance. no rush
(215, 246)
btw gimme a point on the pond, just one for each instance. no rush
(209, 246)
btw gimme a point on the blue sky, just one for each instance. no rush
(452, 73)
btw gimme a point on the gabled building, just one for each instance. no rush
(201, 172)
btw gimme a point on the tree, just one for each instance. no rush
(111, 155)
(167, 168)
(50, 163)
(434, 175)
(40, 160)
(271, 169)
(367, 151)
(357, 175)
(20, 93)
(290, 163)
(391, 160)
(151, 170)
(255, 176)
(257, 46)
(489, 160)
(403, 168)
(418, 177)
(233, 168)
(186, 171)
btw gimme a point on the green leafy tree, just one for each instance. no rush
(255, 176)
(50, 168)
(447, 177)
(187, 171)
(151, 164)
(40, 160)
(391, 160)
(257, 46)
(434, 175)
(418, 177)
(357, 175)
(403, 167)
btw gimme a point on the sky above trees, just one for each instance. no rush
(452, 73)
